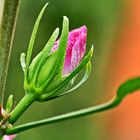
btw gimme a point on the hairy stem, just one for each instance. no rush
(6, 38)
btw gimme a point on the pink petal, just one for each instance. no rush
(75, 49)
(10, 137)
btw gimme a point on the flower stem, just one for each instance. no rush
(91, 110)
(126, 88)
(6, 38)
(21, 107)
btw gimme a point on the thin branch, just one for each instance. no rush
(128, 87)
(87, 111)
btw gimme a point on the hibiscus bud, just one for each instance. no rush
(54, 68)
(45, 65)
(75, 51)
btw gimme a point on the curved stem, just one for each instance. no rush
(125, 89)
(6, 38)
(91, 110)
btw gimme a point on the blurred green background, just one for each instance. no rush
(101, 18)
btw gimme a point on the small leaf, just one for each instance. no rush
(9, 103)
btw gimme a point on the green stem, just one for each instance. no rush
(91, 110)
(125, 89)
(6, 38)
(21, 107)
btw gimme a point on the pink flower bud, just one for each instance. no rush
(10, 137)
(75, 49)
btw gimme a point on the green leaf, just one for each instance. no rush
(128, 87)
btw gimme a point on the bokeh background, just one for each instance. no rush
(114, 29)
